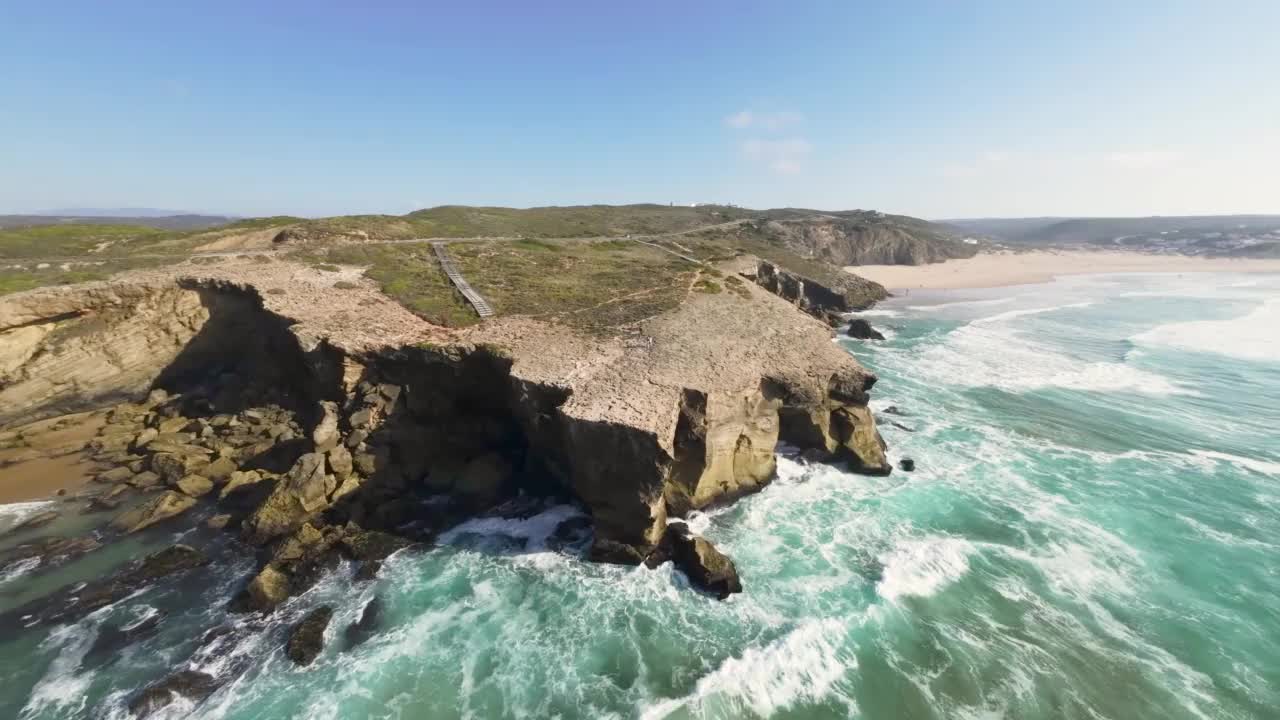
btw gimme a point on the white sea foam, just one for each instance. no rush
(62, 690)
(1011, 314)
(11, 514)
(15, 570)
(806, 664)
(922, 567)
(1253, 336)
(1261, 467)
(877, 312)
(535, 530)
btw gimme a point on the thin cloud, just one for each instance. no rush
(785, 157)
(745, 119)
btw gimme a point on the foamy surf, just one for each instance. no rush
(922, 567)
(1253, 336)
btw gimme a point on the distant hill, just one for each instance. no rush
(114, 212)
(164, 222)
(1235, 235)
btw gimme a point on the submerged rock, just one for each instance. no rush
(115, 638)
(367, 626)
(862, 330)
(907, 464)
(190, 684)
(307, 639)
(38, 520)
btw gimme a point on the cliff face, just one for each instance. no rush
(852, 242)
(823, 301)
(681, 412)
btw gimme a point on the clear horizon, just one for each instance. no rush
(997, 110)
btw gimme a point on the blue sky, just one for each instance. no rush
(931, 109)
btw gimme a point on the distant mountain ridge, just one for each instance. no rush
(163, 222)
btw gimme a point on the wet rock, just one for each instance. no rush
(367, 626)
(218, 522)
(604, 550)
(370, 545)
(115, 475)
(102, 504)
(190, 684)
(307, 639)
(194, 485)
(361, 419)
(325, 435)
(570, 531)
(265, 591)
(156, 510)
(113, 639)
(52, 550)
(907, 464)
(893, 410)
(173, 425)
(356, 438)
(706, 567)
(900, 426)
(368, 571)
(862, 330)
(172, 467)
(117, 491)
(38, 520)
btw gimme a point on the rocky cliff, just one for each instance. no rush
(679, 412)
(859, 241)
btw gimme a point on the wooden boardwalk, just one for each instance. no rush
(479, 303)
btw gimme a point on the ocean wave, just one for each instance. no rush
(15, 570)
(806, 664)
(877, 312)
(1011, 314)
(922, 567)
(12, 514)
(961, 303)
(1253, 336)
(1262, 467)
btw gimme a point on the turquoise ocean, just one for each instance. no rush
(1092, 531)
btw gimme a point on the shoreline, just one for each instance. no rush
(988, 270)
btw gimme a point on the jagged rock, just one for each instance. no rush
(907, 464)
(305, 543)
(483, 478)
(102, 504)
(706, 567)
(367, 626)
(220, 469)
(370, 545)
(40, 519)
(368, 571)
(900, 426)
(862, 330)
(218, 522)
(115, 475)
(604, 550)
(113, 639)
(893, 410)
(356, 438)
(116, 491)
(160, 508)
(52, 550)
(340, 463)
(366, 463)
(194, 485)
(143, 480)
(172, 467)
(190, 684)
(325, 435)
(173, 425)
(304, 491)
(157, 396)
(307, 639)
(269, 588)
(859, 440)
(360, 419)
(238, 480)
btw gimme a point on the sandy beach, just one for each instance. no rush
(1002, 269)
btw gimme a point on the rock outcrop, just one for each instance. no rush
(307, 639)
(828, 302)
(861, 330)
(873, 239)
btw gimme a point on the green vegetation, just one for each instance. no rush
(68, 240)
(410, 274)
(28, 276)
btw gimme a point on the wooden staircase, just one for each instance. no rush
(479, 303)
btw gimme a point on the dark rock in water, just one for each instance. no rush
(102, 504)
(907, 464)
(37, 520)
(368, 571)
(815, 455)
(162, 508)
(570, 531)
(69, 603)
(189, 684)
(862, 330)
(706, 567)
(307, 639)
(900, 426)
(604, 550)
(892, 410)
(371, 545)
(112, 640)
(365, 628)
(52, 550)
(62, 492)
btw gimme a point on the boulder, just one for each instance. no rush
(706, 567)
(862, 330)
(143, 480)
(172, 467)
(115, 475)
(194, 485)
(604, 550)
(364, 628)
(102, 504)
(371, 545)
(156, 510)
(302, 493)
(267, 589)
(325, 435)
(190, 684)
(220, 469)
(218, 522)
(238, 480)
(307, 639)
(340, 464)
(907, 464)
(173, 425)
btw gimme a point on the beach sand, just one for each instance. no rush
(49, 459)
(1002, 269)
